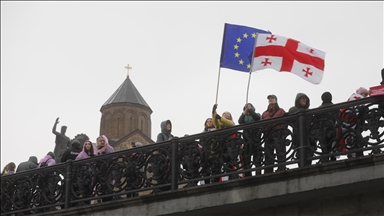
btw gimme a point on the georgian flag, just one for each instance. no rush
(355, 96)
(288, 55)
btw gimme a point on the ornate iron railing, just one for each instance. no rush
(318, 135)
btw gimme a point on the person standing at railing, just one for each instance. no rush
(103, 147)
(327, 141)
(326, 97)
(24, 166)
(349, 118)
(163, 136)
(27, 165)
(47, 160)
(9, 169)
(87, 152)
(273, 110)
(47, 182)
(133, 158)
(302, 103)
(208, 126)
(166, 131)
(220, 122)
(73, 152)
(252, 138)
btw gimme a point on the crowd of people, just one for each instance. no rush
(216, 121)
(249, 114)
(73, 153)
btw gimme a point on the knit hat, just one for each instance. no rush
(326, 97)
(362, 90)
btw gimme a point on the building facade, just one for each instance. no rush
(126, 117)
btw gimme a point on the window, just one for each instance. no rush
(130, 124)
(118, 126)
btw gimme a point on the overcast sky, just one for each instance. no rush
(65, 59)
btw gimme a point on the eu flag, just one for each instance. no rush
(238, 47)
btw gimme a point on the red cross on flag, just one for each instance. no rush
(288, 55)
(355, 96)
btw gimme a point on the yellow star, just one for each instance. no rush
(248, 66)
(245, 35)
(237, 55)
(238, 40)
(254, 35)
(236, 47)
(241, 62)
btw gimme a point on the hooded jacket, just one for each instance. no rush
(165, 134)
(83, 154)
(72, 152)
(106, 149)
(49, 158)
(298, 107)
(27, 165)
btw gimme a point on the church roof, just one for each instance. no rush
(126, 93)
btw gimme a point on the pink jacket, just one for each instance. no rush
(83, 154)
(106, 149)
(49, 159)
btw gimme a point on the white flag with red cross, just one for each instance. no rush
(288, 55)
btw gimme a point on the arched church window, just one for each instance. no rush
(130, 124)
(118, 126)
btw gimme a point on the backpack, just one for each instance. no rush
(44, 163)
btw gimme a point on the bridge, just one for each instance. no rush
(325, 162)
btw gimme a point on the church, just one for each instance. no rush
(126, 117)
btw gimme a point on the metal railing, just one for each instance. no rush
(320, 135)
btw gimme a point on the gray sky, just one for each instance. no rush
(65, 59)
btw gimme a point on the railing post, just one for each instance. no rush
(174, 163)
(302, 136)
(68, 184)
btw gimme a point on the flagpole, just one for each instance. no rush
(249, 79)
(218, 76)
(218, 80)
(250, 70)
